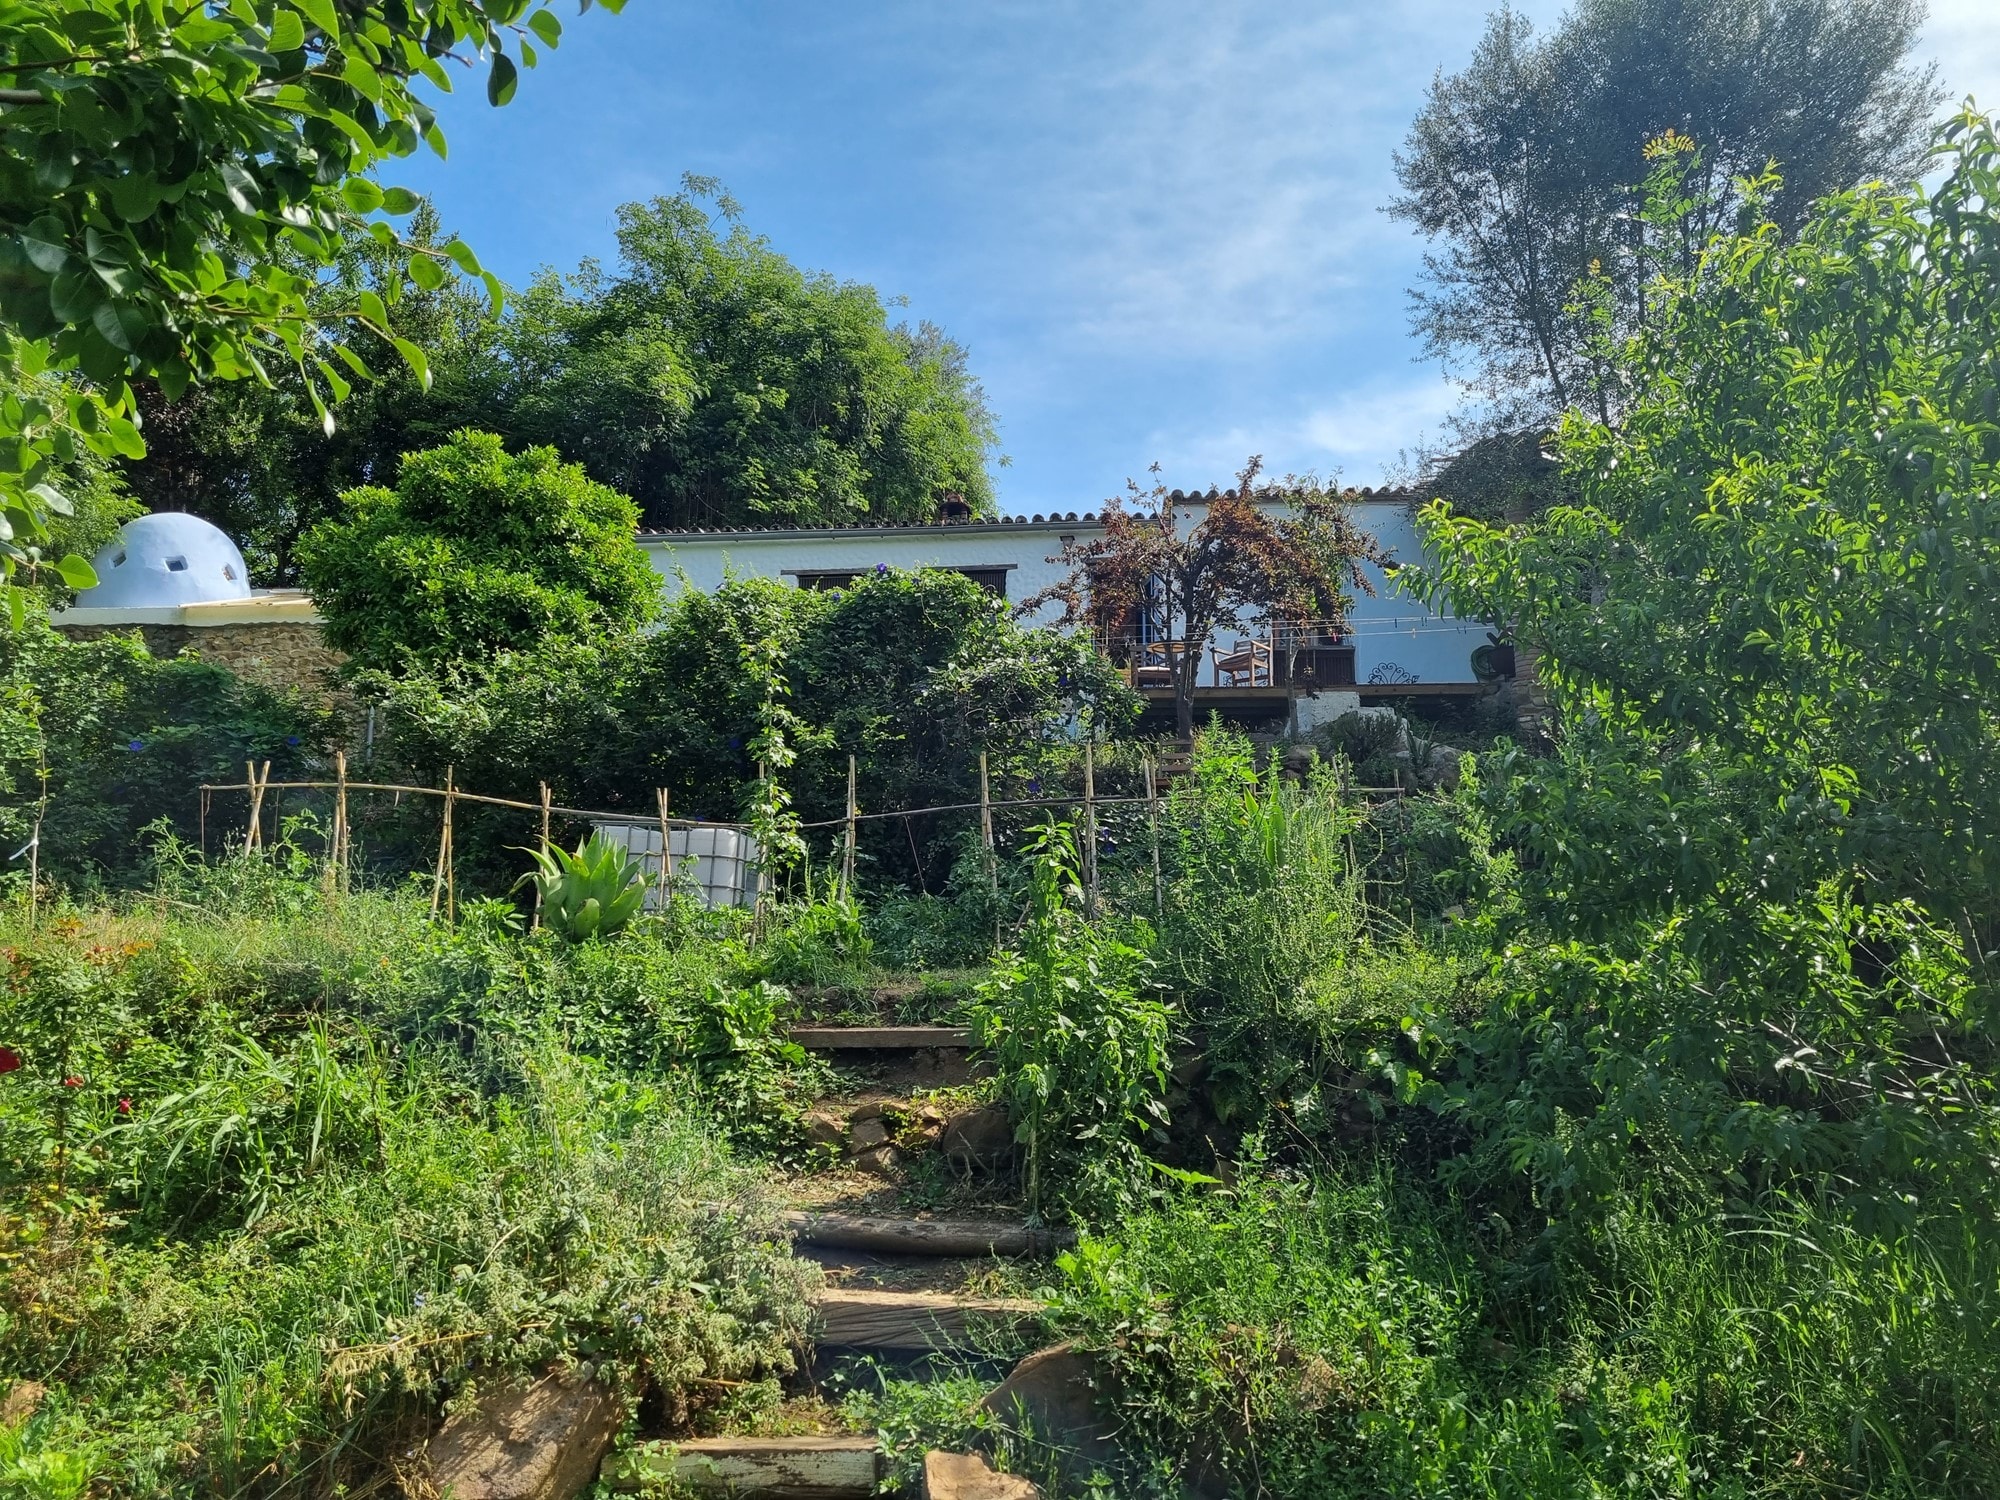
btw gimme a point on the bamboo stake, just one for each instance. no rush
(444, 846)
(253, 836)
(1089, 832)
(343, 832)
(1153, 817)
(986, 837)
(666, 850)
(847, 855)
(204, 822)
(450, 854)
(330, 879)
(535, 920)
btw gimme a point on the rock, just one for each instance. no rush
(826, 1127)
(866, 1135)
(968, 1476)
(882, 1161)
(1447, 767)
(868, 1109)
(1189, 1068)
(22, 1400)
(984, 1135)
(538, 1443)
(1053, 1395)
(801, 1468)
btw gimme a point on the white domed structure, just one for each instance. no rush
(166, 559)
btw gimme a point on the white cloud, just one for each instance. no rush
(1964, 37)
(1180, 176)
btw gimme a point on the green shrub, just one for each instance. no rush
(1078, 1040)
(474, 552)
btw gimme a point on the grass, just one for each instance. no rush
(1353, 1336)
(285, 1176)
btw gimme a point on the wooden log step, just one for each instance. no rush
(885, 1236)
(880, 1038)
(781, 1468)
(855, 1318)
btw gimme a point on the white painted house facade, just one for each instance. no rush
(1399, 647)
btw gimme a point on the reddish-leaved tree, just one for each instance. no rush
(1289, 552)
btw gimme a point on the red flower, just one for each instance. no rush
(72, 1082)
(124, 1106)
(9, 1059)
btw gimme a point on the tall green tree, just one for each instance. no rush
(474, 552)
(1761, 879)
(1523, 170)
(715, 382)
(153, 162)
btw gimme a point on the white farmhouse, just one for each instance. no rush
(1395, 646)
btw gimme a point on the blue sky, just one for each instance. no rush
(1155, 225)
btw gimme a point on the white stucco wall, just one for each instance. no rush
(1391, 631)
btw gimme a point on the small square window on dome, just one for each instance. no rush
(176, 564)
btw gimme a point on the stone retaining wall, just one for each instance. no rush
(274, 654)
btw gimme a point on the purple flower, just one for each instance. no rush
(291, 739)
(136, 746)
(880, 569)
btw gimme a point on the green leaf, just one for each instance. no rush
(399, 200)
(319, 405)
(353, 361)
(135, 195)
(288, 32)
(502, 81)
(372, 310)
(76, 572)
(462, 256)
(335, 382)
(46, 242)
(121, 324)
(414, 358)
(74, 295)
(361, 195)
(545, 25)
(321, 13)
(362, 77)
(426, 272)
(55, 162)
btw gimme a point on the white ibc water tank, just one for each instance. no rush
(168, 558)
(723, 860)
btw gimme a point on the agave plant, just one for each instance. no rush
(591, 893)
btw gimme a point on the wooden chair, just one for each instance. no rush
(1242, 664)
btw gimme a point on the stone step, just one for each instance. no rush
(881, 1038)
(855, 1318)
(953, 1237)
(968, 1476)
(781, 1468)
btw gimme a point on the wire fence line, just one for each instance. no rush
(258, 786)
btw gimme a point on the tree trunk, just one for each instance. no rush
(1187, 672)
